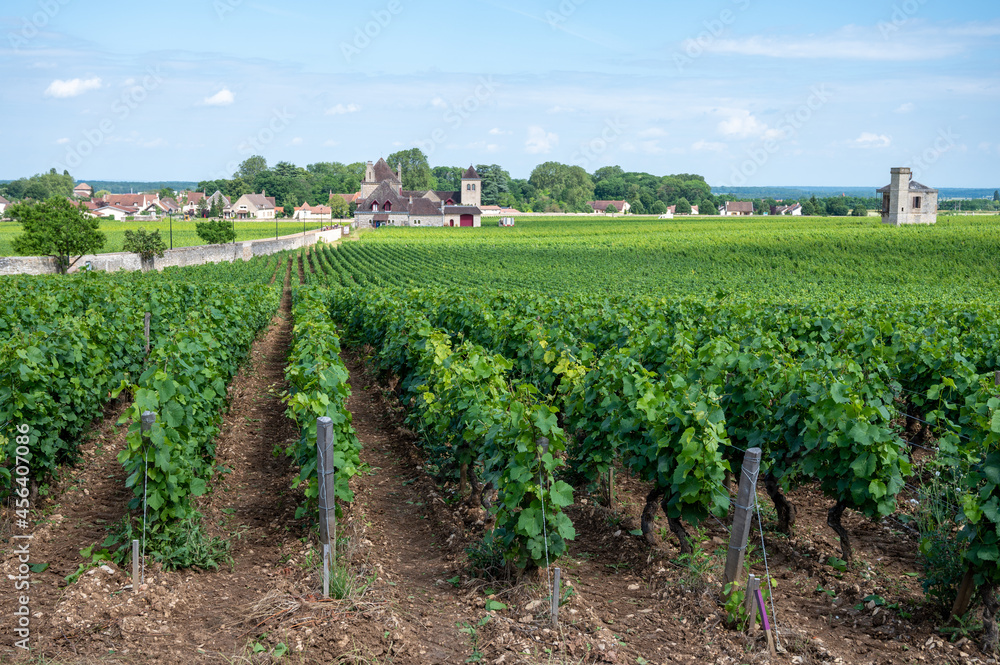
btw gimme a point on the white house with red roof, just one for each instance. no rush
(602, 206)
(251, 206)
(307, 212)
(83, 191)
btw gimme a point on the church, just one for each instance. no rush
(384, 202)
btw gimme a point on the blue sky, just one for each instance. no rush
(743, 92)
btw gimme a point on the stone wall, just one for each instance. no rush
(182, 256)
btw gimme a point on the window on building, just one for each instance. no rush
(388, 206)
(473, 186)
(375, 207)
(916, 202)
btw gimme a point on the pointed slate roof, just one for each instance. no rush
(914, 187)
(384, 172)
(471, 174)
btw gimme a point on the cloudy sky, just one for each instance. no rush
(743, 92)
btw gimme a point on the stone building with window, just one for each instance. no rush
(906, 201)
(383, 201)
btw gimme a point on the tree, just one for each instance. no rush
(167, 193)
(447, 178)
(146, 244)
(101, 193)
(495, 183)
(837, 208)
(58, 229)
(859, 211)
(251, 167)
(216, 209)
(683, 206)
(658, 208)
(707, 207)
(416, 170)
(996, 194)
(215, 232)
(611, 209)
(341, 208)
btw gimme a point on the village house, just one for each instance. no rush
(737, 209)
(308, 212)
(116, 212)
(250, 206)
(83, 191)
(602, 206)
(672, 210)
(906, 201)
(795, 210)
(383, 201)
(191, 202)
(3, 205)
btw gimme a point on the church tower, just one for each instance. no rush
(472, 191)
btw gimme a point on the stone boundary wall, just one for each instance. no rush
(182, 256)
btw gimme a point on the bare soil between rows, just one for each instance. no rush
(415, 602)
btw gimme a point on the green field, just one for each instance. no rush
(780, 258)
(183, 232)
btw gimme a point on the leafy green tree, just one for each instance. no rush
(167, 193)
(683, 206)
(341, 208)
(251, 167)
(56, 228)
(707, 207)
(996, 194)
(859, 211)
(146, 244)
(101, 193)
(495, 184)
(658, 208)
(611, 209)
(837, 208)
(215, 232)
(416, 170)
(447, 178)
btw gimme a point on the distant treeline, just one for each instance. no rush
(125, 187)
(802, 193)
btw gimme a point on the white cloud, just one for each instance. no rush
(341, 109)
(222, 98)
(905, 108)
(439, 103)
(64, 141)
(871, 140)
(539, 141)
(297, 140)
(129, 82)
(742, 124)
(72, 87)
(849, 43)
(708, 146)
(650, 147)
(496, 131)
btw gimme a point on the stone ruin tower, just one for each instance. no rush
(906, 201)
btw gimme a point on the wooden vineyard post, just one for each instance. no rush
(611, 487)
(745, 501)
(145, 330)
(327, 495)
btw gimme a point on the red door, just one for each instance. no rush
(466, 220)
